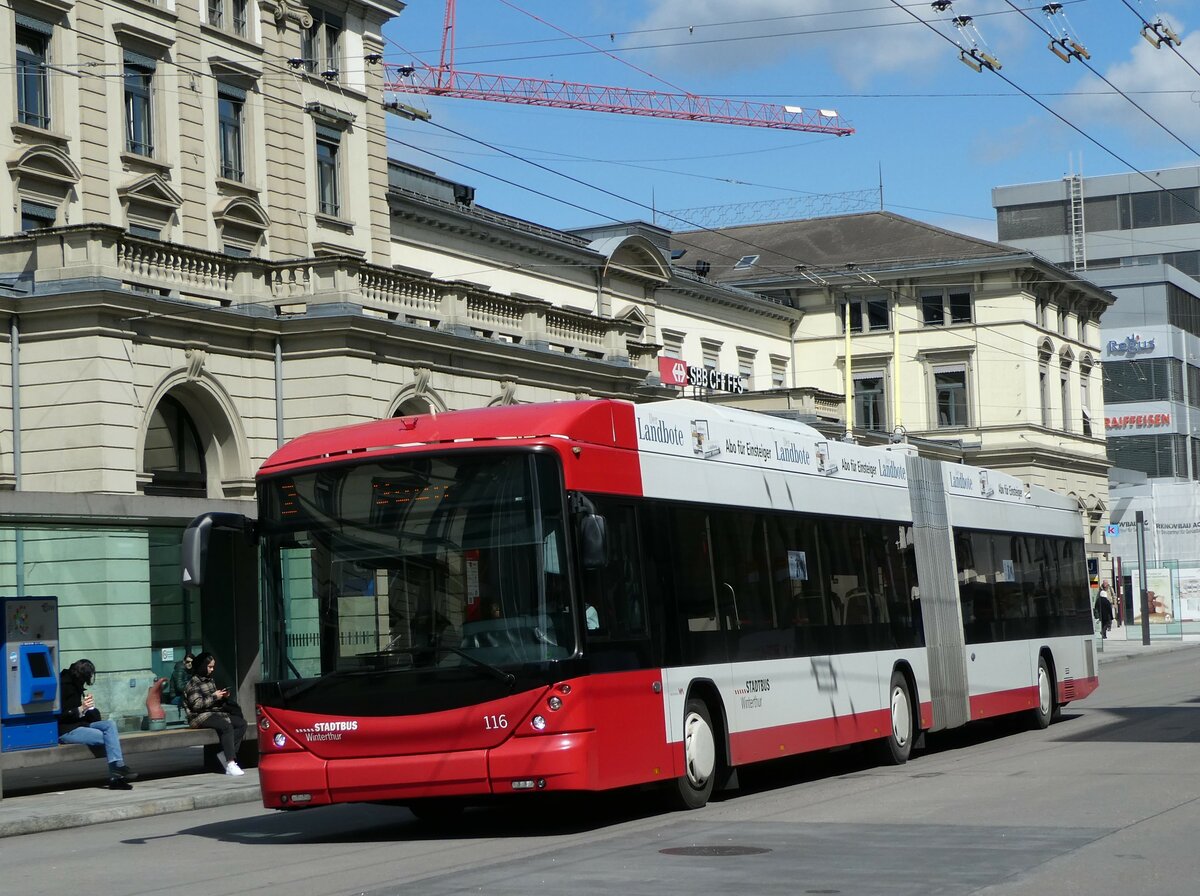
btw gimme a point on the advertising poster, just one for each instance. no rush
(1158, 584)
(1189, 594)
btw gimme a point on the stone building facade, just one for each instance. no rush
(215, 255)
(938, 336)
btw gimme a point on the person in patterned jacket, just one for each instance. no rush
(210, 707)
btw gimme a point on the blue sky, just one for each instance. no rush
(938, 134)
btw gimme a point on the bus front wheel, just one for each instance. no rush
(900, 710)
(1046, 696)
(695, 786)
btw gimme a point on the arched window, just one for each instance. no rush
(174, 454)
(1044, 355)
(412, 407)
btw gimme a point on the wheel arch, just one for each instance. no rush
(706, 689)
(1046, 653)
(910, 678)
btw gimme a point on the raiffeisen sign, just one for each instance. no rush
(1137, 421)
(675, 372)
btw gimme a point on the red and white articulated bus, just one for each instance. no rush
(591, 595)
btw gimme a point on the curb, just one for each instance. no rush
(1158, 650)
(161, 806)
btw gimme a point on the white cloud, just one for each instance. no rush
(860, 41)
(1176, 102)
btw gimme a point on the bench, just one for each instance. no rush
(131, 744)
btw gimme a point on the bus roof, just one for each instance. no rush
(600, 421)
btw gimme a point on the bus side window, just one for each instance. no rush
(742, 570)
(613, 595)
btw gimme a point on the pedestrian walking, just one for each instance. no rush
(1104, 610)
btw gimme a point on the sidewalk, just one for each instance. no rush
(50, 810)
(32, 813)
(1117, 647)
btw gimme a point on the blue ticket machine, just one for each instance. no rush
(29, 698)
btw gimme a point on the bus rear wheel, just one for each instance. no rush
(693, 788)
(1045, 709)
(898, 743)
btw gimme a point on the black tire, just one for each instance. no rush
(1046, 708)
(694, 787)
(897, 745)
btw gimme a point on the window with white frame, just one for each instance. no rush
(329, 171)
(37, 215)
(139, 103)
(1064, 386)
(870, 401)
(940, 307)
(778, 372)
(1085, 398)
(33, 83)
(230, 15)
(145, 231)
(231, 124)
(1044, 385)
(746, 366)
(711, 351)
(321, 42)
(950, 396)
(672, 344)
(867, 314)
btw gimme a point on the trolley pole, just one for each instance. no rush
(1142, 588)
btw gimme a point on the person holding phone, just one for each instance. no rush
(80, 723)
(210, 707)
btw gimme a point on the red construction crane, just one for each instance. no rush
(445, 80)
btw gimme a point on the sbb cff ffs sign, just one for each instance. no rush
(675, 372)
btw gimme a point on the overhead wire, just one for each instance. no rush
(722, 40)
(295, 75)
(1055, 114)
(1171, 44)
(1083, 60)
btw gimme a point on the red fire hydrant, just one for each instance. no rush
(154, 711)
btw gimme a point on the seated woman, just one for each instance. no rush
(210, 707)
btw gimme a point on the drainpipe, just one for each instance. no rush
(278, 393)
(15, 346)
(18, 532)
(897, 411)
(848, 384)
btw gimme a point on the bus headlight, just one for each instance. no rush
(554, 703)
(538, 723)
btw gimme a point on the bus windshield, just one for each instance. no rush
(454, 560)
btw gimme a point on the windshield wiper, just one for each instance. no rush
(309, 683)
(495, 671)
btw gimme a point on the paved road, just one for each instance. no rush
(1107, 801)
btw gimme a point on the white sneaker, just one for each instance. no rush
(232, 768)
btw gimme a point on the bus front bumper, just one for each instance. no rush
(298, 779)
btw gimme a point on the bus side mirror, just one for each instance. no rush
(195, 542)
(593, 541)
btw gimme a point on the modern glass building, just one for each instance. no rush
(1137, 235)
